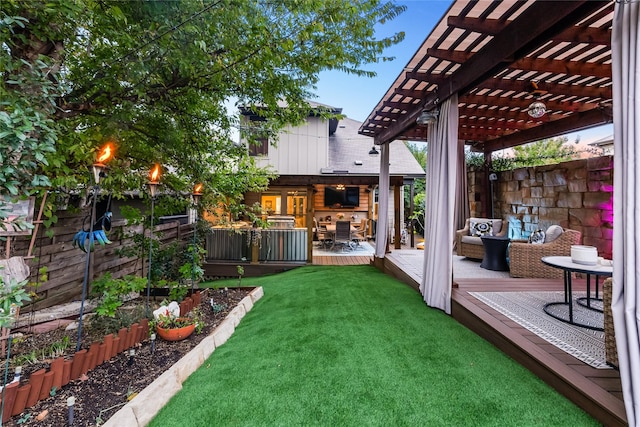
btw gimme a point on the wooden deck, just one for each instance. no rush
(342, 260)
(597, 391)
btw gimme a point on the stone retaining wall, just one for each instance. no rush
(576, 195)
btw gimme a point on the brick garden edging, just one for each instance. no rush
(140, 411)
(61, 371)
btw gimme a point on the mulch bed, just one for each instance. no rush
(108, 387)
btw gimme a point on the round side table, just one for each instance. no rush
(495, 253)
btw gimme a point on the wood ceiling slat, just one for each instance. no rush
(563, 67)
(493, 124)
(450, 55)
(549, 87)
(424, 77)
(522, 103)
(550, 129)
(589, 35)
(584, 89)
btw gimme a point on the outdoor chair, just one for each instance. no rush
(610, 349)
(468, 242)
(342, 236)
(360, 235)
(525, 258)
(321, 234)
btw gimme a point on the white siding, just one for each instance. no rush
(302, 150)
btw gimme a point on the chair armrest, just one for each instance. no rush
(464, 231)
(502, 232)
(461, 233)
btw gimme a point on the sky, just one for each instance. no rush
(358, 96)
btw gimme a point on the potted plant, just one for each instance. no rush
(170, 326)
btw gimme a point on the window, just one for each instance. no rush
(271, 203)
(260, 147)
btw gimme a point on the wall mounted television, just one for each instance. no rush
(349, 197)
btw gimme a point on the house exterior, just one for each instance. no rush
(325, 173)
(604, 145)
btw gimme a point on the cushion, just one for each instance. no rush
(471, 240)
(484, 228)
(496, 224)
(537, 237)
(552, 233)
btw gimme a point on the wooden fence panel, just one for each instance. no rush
(66, 264)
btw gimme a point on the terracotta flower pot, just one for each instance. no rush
(175, 334)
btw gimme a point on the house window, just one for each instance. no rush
(271, 203)
(260, 147)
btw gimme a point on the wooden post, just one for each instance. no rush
(396, 216)
(36, 223)
(255, 251)
(309, 222)
(411, 209)
(486, 193)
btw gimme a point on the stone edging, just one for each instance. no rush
(141, 410)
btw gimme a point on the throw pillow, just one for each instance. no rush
(481, 229)
(552, 233)
(537, 237)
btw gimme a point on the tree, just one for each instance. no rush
(155, 78)
(543, 152)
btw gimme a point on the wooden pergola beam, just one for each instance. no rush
(582, 120)
(523, 103)
(591, 35)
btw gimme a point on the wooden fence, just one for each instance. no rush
(66, 264)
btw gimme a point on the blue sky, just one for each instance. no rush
(358, 96)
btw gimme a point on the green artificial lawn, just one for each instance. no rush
(350, 346)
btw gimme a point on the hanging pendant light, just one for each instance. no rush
(537, 109)
(427, 117)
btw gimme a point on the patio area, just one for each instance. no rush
(597, 390)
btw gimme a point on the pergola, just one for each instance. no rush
(503, 73)
(500, 57)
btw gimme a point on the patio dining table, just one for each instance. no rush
(569, 267)
(331, 228)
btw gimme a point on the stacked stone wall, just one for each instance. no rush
(577, 195)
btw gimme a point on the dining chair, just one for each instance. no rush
(360, 235)
(321, 234)
(342, 236)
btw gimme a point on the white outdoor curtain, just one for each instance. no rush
(462, 193)
(625, 305)
(442, 162)
(382, 226)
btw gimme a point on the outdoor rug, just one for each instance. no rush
(464, 268)
(365, 248)
(526, 308)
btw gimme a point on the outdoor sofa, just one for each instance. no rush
(468, 241)
(525, 258)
